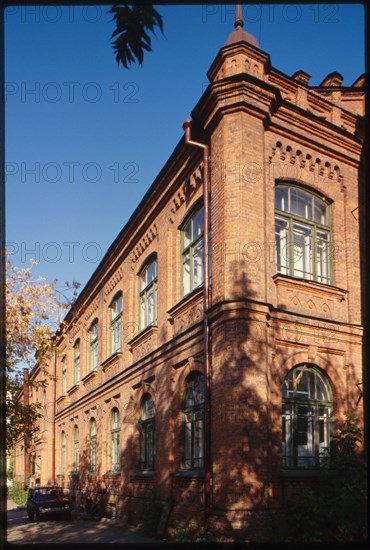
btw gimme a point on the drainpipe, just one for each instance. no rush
(207, 354)
(53, 422)
(26, 401)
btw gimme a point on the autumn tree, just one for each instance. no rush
(34, 309)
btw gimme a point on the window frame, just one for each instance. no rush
(115, 325)
(115, 441)
(64, 375)
(144, 292)
(63, 452)
(94, 346)
(291, 219)
(77, 362)
(76, 449)
(93, 446)
(147, 432)
(189, 249)
(319, 425)
(191, 415)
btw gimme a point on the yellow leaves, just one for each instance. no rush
(34, 309)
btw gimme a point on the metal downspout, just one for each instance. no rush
(207, 354)
(53, 422)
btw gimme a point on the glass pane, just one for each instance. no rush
(198, 439)
(281, 198)
(186, 274)
(281, 235)
(148, 410)
(151, 272)
(118, 333)
(198, 262)
(322, 391)
(150, 298)
(198, 224)
(142, 312)
(194, 392)
(322, 256)
(301, 203)
(188, 233)
(302, 251)
(188, 441)
(320, 211)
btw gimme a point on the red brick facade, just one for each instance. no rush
(263, 128)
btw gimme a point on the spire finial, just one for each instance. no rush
(239, 16)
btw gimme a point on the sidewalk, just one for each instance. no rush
(21, 529)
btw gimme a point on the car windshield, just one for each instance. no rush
(47, 494)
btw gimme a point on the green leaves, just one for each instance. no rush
(133, 22)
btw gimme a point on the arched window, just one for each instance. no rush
(147, 433)
(115, 448)
(307, 412)
(116, 324)
(76, 363)
(76, 450)
(148, 295)
(64, 375)
(193, 421)
(63, 453)
(193, 252)
(92, 445)
(302, 230)
(94, 346)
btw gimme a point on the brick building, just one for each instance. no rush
(220, 409)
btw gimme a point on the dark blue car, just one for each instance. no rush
(47, 502)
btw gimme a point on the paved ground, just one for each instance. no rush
(21, 530)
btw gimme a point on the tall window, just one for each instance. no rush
(147, 433)
(307, 411)
(148, 295)
(64, 375)
(94, 346)
(44, 411)
(116, 324)
(92, 445)
(193, 252)
(76, 450)
(115, 448)
(193, 418)
(63, 453)
(76, 363)
(302, 230)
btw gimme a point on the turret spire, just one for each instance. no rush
(239, 34)
(239, 16)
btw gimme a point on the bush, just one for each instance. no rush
(337, 511)
(18, 494)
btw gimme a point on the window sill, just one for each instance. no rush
(111, 359)
(142, 335)
(308, 473)
(143, 474)
(89, 375)
(115, 473)
(61, 398)
(288, 280)
(189, 474)
(185, 302)
(73, 389)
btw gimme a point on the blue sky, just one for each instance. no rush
(85, 139)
